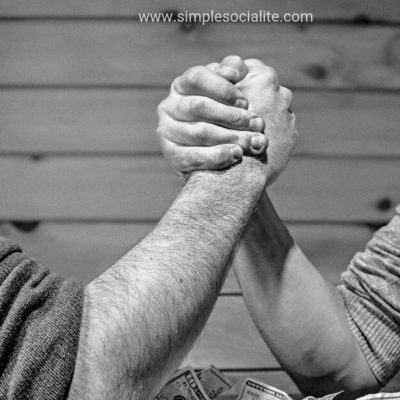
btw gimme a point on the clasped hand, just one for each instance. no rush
(216, 114)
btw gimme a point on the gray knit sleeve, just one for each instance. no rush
(371, 292)
(40, 317)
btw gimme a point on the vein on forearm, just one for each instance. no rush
(143, 314)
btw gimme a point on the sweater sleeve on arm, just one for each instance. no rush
(40, 317)
(371, 292)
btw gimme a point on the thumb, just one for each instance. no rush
(233, 69)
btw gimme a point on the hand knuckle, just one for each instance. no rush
(287, 94)
(193, 76)
(222, 158)
(198, 106)
(239, 121)
(160, 130)
(203, 133)
(161, 107)
(193, 160)
(270, 75)
(218, 158)
(176, 84)
(180, 163)
(229, 95)
(236, 121)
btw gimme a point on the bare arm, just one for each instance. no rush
(300, 315)
(142, 315)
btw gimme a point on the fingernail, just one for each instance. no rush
(256, 124)
(241, 103)
(237, 152)
(257, 142)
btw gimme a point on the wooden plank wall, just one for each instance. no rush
(79, 84)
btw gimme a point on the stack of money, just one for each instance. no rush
(209, 384)
(187, 384)
(254, 390)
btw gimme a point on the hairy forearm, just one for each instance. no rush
(300, 315)
(142, 315)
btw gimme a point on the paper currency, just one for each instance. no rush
(254, 390)
(184, 385)
(214, 382)
(332, 396)
(209, 384)
(380, 396)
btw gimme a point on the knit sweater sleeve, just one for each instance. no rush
(40, 317)
(371, 292)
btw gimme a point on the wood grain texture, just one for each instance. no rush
(243, 348)
(85, 250)
(124, 121)
(142, 188)
(79, 121)
(135, 188)
(338, 9)
(125, 53)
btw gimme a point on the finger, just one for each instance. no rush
(213, 66)
(287, 96)
(205, 134)
(203, 109)
(202, 81)
(233, 69)
(253, 64)
(186, 159)
(265, 72)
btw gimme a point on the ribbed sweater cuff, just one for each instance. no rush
(379, 338)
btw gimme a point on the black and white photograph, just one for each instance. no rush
(199, 200)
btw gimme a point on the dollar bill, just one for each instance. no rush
(254, 390)
(336, 396)
(214, 382)
(381, 396)
(184, 385)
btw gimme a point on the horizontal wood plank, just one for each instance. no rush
(243, 348)
(128, 53)
(85, 250)
(124, 121)
(338, 9)
(79, 121)
(230, 340)
(142, 188)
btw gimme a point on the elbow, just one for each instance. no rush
(332, 383)
(353, 376)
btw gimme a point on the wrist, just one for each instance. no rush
(247, 178)
(231, 193)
